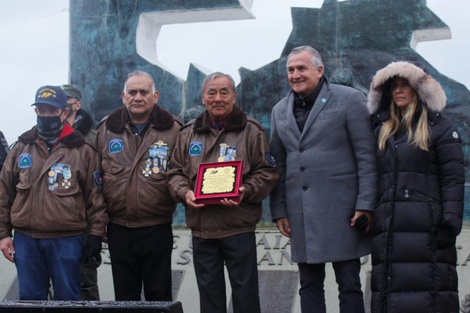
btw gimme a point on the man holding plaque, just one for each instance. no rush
(48, 196)
(222, 170)
(325, 148)
(134, 143)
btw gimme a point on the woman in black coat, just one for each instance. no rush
(420, 195)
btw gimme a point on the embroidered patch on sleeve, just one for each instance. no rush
(271, 158)
(98, 179)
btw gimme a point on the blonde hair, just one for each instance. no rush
(418, 137)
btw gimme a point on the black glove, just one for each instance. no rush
(445, 235)
(361, 223)
(92, 247)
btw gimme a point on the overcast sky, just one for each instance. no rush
(34, 48)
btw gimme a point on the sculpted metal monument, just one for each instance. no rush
(356, 38)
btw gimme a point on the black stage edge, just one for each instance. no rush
(15, 306)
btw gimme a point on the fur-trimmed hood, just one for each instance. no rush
(427, 88)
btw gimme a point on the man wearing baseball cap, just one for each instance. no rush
(49, 194)
(82, 122)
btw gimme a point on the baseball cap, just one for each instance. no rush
(72, 91)
(51, 95)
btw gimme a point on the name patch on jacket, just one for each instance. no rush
(195, 148)
(115, 146)
(25, 160)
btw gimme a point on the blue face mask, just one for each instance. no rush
(49, 127)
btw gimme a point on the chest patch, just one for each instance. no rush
(115, 146)
(195, 148)
(25, 160)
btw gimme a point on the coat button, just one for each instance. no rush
(304, 188)
(302, 169)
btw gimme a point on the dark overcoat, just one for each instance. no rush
(327, 171)
(418, 191)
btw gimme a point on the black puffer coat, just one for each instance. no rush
(420, 205)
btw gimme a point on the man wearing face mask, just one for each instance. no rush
(49, 194)
(78, 117)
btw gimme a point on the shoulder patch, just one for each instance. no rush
(271, 158)
(98, 179)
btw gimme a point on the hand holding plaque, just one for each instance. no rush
(216, 181)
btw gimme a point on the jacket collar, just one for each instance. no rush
(160, 119)
(235, 121)
(72, 140)
(83, 122)
(311, 98)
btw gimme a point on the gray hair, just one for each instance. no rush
(215, 75)
(316, 57)
(139, 73)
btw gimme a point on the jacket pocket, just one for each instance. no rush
(347, 173)
(157, 176)
(67, 188)
(23, 183)
(69, 206)
(112, 167)
(411, 194)
(326, 115)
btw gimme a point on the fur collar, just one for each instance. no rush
(73, 140)
(235, 121)
(428, 89)
(117, 120)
